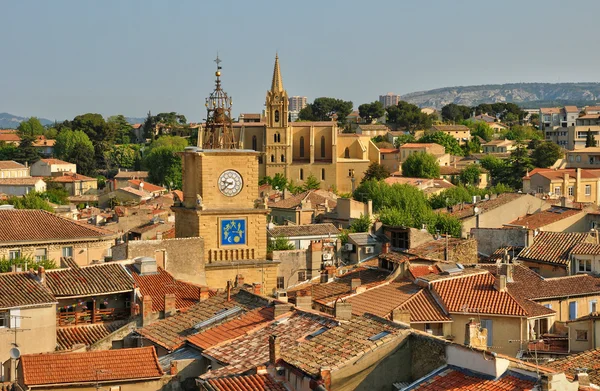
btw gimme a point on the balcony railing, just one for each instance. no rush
(87, 317)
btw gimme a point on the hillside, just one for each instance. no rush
(11, 121)
(520, 93)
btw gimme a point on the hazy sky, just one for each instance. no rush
(63, 58)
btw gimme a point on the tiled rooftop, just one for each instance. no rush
(88, 335)
(436, 248)
(173, 331)
(159, 284)
(21, 290)
(25, 181)
(131, 174)
(10, 164)
(89, 280)
(445, 128)
(339, 345)
(145, 185)
(54, 161)
(317, 198)
(251, 350)
(381, 300)
(233, 328)
(257, 382)
(342, 284)
(571, 364)
(450, 378)
(553, 247)
(484, 206)
(17, 225)
(586, 249)
(476, 294)
(423, 308)
(289, 231)
(90, 367)
(69, 177)
(546, 217)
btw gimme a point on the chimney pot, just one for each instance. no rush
(342, 310)
(170, 304)
(274, 349)
(146, 310)
(228, 290)
(257, 288)
(355, 283)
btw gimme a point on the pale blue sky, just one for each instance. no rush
(63, 58)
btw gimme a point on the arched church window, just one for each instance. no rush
(322, 146)
(301, 146)
(282, 158)
(278, 137)
(347, 153)
(276, 115)
(254, 143)
(301, 174)
(272, 158)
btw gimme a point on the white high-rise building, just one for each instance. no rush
(389, 99)
(297, 103)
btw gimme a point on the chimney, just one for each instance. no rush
(239, 280)
(257, 288)
(401, 316)
(42, 275)
(475, 336)
(204, 293)
(159, 236)
(385, 248)
(369, 208)
(228, 291)
(170, 304)
(583, 378)
(343, 311)
(304, 300)
(274, 349)
(280, 309)
(173, 369)
(324, 276)
(509, 272)
(355, 283)
(500, 283)
(146, 310)
(530, 237)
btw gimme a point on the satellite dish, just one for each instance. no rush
(476, 210)
(487, 197)
(14, 353)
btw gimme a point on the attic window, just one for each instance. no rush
(318, 332)
(378, 336)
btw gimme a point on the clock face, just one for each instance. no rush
(230, 183)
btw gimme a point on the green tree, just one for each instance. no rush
(452, 146)
(323, 109)
(520, 163)
(164, 165)
(31, 200)
(481, 129)
(99, 132)
(455, 113)
(421, 165)
(121, 128)
(279, 182)
(279, 243)
(546, 154)
(8, 151)
(408, 116)
(371, 111)
(376, 171)
(83, 157)
(470, 175)
(590, 141)
(27, 153)
(76, 147)
(31, 127)
(311, 183)
(55, 194)
(403, 139)
(174, 143)
(362, 224)
(6, 264)
(123, 156)
(521, 133)
(148, 126)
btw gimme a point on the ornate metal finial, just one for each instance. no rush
(218, 133)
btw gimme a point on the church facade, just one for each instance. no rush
(301, 149)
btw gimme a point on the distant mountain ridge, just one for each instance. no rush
(519, 93)
(11, 121)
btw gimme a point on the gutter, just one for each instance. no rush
(94, 382)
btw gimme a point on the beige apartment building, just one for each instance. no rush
(390, 158)
(52, 167)
(12, 169)
(499, 146)
(577, 185)
(434, 149)
(461, 133)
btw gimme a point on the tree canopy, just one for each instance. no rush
(76, 147)
(31, 127)
(362, 224)
(546, 154)
(470, 174)
(408, 116)
(371, 111)
(590, 141)
(452, 146)
(31, 200)
(164, 166)
(421, 165)
(311, 183)
(403, 139)
(122, 129)
(323, 109)
(376, 171)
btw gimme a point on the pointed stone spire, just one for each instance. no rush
(277, 84)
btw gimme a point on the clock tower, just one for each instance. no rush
(220, 202)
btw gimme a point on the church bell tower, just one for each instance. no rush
(278, 152)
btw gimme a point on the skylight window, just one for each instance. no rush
(219, 315)
(318, 332)
(379, 336)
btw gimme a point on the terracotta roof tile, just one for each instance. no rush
(546, 217)
(251, 350)
(89, 280)
(453, 379)
(446, 128)
(256, 382)
(423, 308)
(25, 181)
(54, 161)
(422, 270)
(484, 206)
(572, 364)
(131, 190)
(339, 345)
(18, 225)
(146, 185)
(418, 145)
(10, 164)
(131, 174)
(232, 328)
(159, 284)
(9, 137)
(89, 367)
(22, 289)
(88, 335)
(476, 294)
(71, 177)
(586, 249)
(316, 198)
(173, 331)
(381, 300)
(304, 230)
(553, 247)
